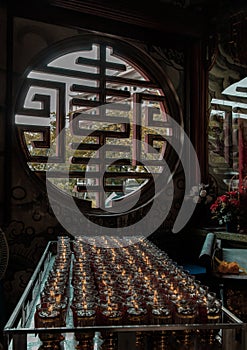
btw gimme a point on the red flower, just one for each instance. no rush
(232, 193)
(224, 198)
(226, 207)
(214, 207)
(234, 202)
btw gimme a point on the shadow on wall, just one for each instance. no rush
(4, 258)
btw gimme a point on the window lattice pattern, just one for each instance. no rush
(93, 111)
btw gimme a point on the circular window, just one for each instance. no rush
(99, 108)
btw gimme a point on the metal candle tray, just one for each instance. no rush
(21, 334)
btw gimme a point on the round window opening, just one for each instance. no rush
(94, 115)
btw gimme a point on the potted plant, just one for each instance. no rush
(226, 209)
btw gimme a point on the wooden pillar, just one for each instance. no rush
(197, 98)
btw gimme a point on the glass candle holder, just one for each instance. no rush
(185, 313)
(52, 296)
(213, 315)
(47, 317)
(112, 317)
(211, 298)
(214, 311)
(161, 315)
(83, 305)
(138, 316)
(84, 317)
(62, 308)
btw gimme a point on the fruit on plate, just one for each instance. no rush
(228, 267)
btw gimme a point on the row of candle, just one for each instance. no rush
(135, 284)
(132, 284)
(54, 297)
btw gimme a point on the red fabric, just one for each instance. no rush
(243, 172)
(242, 155)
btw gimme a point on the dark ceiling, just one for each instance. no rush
(188, 18)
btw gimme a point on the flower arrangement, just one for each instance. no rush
(226, 208)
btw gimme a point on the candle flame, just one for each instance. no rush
(109, 309)
(50, 308)
(155, 300)
(58, 298)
